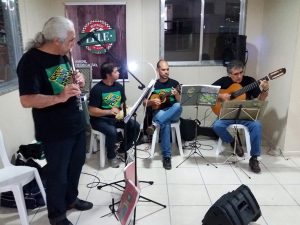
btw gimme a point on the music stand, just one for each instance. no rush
(195, 95)
(241, 110)
(132, 166)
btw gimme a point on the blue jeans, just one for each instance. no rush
(65, 159)
(254, 127)
(108, 126)
(164, 118)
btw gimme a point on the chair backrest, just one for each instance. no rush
(3, 153)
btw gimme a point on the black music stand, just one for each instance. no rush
(241, 110)
(198, 95)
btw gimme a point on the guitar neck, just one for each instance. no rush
(247, 88)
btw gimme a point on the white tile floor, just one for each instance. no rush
(188, 191)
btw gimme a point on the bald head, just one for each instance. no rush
(163, 70)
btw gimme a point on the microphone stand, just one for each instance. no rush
(92, 35)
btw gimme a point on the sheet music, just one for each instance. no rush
(199, 94)
(140, 100)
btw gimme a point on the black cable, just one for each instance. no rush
(96, 183)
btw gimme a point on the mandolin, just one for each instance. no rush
(164, 98)
(237, 92)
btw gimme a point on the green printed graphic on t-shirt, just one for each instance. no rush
(59, 76)
(112, 99)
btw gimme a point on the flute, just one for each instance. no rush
(79, 100)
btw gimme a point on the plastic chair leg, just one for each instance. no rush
(19, 197)
(40, 184)
(102, 150)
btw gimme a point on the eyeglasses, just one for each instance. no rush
(238, 73)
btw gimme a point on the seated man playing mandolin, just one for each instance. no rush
(107, 99)
(164, 102)
(257, 89)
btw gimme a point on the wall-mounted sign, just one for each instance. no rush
(102, 38)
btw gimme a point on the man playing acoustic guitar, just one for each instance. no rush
(236, 79)
(166, 108)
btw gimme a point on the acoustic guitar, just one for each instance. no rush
(237, 92)
(164, 98)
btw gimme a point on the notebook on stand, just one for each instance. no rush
(199, 94)
(249, 110)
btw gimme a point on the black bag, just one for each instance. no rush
(30, 155)
(188, 129)
(32, 195)
(31, 151)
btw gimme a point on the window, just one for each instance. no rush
(202, 32)
(10, 44)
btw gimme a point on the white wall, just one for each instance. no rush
(292, 141)
(270, 41)
(15, 123)
(278, 49)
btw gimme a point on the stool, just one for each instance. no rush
(247, 139)
(97, 135)
(174, 129)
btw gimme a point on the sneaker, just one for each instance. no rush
(62, 222)
(121, 156)
(121, 148)
(114, 163)
(167, 163)
(254, 164)
(238, 149)
(81, 205)
(150, 130)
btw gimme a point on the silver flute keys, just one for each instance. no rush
(79, 100)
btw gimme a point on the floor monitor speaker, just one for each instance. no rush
(238, 207)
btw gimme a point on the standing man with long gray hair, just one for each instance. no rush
(49, 86)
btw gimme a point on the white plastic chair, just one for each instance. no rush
(95, 136)
(247, 139)
(175, 130)
(13, 178)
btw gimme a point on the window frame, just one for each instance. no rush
(11, 16)
(242, 28)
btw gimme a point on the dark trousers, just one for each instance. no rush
(108, 126)
(65, 159)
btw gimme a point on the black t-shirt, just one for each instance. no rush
(166, 87)
(43, 73)
(106, 97)
(226, 82)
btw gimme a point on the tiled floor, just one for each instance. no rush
(188, 191)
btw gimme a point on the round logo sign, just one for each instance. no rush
(102, 39)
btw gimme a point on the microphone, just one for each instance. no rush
(87, 35)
